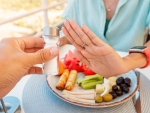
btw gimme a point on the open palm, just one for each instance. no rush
(96, 54)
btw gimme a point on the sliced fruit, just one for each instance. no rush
(61, 68)
(69, 57)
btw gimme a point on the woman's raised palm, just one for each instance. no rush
(96, 54)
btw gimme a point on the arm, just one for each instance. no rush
(136, 60)
(99, 56)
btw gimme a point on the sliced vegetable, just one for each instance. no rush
(94, 77)
(90, 85)
(88, 76)
(106, 90)
(86, 70)
(89, 72)
(84, 67)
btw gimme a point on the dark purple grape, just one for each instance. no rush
(119, 92)
(124, 88)
(114, 88)
(127, 81)
(113, 94)
(120, 81)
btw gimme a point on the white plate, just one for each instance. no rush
(52, 81)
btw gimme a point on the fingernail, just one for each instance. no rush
(54, 51)
(74, 50)
(63, 26)
(67, 20)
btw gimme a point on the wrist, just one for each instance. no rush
(135, 60)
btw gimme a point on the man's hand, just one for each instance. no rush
(17, 57)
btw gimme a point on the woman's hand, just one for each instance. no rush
(96, 54)
(63, 41)
(17, 57)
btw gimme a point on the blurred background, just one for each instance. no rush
(30, 25)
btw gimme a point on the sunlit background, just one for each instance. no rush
(29, 25)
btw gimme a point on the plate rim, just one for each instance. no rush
(96, 105)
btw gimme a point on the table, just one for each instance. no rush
(17, 91)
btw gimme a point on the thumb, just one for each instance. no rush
(43, 55)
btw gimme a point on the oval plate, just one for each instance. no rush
(52, 81)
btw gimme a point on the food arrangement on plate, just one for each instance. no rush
(90, 89)
(79, 85)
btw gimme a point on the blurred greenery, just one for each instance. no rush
(16, 5)
(33, 22)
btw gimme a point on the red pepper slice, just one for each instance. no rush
(89, 72)
(86, 70)
(84, 67)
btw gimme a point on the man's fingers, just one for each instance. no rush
(42, 55)
(31, 42)
(35, 70)
(32, 50)
(96, 40)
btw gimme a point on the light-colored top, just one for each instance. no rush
(126, 28)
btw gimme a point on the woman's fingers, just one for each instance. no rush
(81, 58)
(80, 33)
(71, 39)
(73, 33)
(97, 41)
